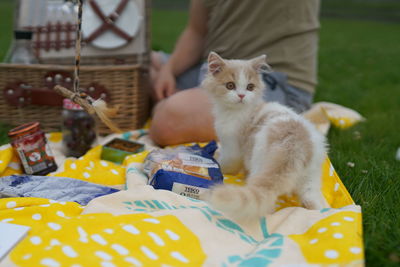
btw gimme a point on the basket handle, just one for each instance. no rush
(21, 94)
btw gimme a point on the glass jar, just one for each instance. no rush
(21, 50)
(30, 142)
(79, 129)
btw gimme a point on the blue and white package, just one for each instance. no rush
(185, 170)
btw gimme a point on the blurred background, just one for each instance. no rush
(359, 67)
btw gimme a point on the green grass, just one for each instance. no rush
(358, 68)
(166, 27)
(5, 26)
(374, 9)
(5, 38)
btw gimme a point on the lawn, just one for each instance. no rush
(358, 68)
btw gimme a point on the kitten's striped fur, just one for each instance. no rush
(280, 151)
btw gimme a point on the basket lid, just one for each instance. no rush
(123, 18)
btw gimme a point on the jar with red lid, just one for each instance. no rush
(79, 129)
(30, 143)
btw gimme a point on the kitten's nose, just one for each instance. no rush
(241, 97)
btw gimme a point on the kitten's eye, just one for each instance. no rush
(250, 87)
(230, 85)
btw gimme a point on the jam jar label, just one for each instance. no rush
(35, 154)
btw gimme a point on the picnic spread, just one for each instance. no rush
(95, 212)
(104, 206)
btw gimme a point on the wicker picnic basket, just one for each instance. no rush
(27, 93)
(26, 99)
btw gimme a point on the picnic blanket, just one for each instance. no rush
(141, 226)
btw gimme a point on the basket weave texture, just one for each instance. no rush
(127, 86)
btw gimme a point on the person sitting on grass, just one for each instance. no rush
(286, 31)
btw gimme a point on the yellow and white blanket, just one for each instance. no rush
(141, 226)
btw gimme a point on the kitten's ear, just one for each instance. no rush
(260, 64)
(215, 63)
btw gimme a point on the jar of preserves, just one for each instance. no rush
(30, 143)
(79, 129)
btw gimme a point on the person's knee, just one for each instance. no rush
(164, 128)
(182, 118)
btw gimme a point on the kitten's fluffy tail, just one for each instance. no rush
(242, 202)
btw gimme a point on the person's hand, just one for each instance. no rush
(165, 84)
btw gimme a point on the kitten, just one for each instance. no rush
(280, 151)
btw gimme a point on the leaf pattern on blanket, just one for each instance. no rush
(264, 254)
(60, 236)
(332, 240)
(212, 215)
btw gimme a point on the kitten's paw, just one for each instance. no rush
(315, 203)
(313, 199)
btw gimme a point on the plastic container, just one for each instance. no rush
(79, 129)
(117, 149)
(31, 145)
(21, 51)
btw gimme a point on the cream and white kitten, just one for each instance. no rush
(280, 151)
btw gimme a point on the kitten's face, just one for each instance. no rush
(235, 83)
